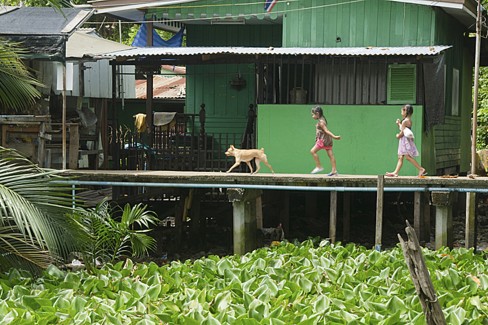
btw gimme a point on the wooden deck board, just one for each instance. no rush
(322, 180)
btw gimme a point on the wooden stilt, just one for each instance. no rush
(333, 216)
(346, 216)
(425, 234)
(470, 235)
(285, 211)
(417, 213)
(379, 212)
(259, 212)
(196, 221)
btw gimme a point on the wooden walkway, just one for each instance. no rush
(244, 191)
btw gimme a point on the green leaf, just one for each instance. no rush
(77, 305)
(222, 301)
(321, 304)
(305, 284)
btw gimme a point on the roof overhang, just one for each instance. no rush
(462, 10)
(134, 10)
(41, 32)
(199, 55)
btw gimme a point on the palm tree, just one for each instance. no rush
(116, 233)
(36, 227)
(17, 87)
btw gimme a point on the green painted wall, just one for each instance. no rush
(364, 23)
(226, 108)
(368, 144)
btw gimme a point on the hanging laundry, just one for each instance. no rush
(140, 122)
(141, 38)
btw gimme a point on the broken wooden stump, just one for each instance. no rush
(421, 278)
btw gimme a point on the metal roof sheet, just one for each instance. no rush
(41, 21)
(83, 43)
(171, 85)
(328, 51)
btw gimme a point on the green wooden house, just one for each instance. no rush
(361, 60)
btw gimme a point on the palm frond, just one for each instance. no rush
(36, 207)
(17, 87)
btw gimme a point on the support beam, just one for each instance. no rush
(443, 217)
(419, 214)
(379, 212)
(346, 216)
(244, 218)
(285, 211)
(333, 216)
(470, 235)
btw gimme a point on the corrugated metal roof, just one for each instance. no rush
(328, 51)
(167, 86)
(83, 43)
(41, 21)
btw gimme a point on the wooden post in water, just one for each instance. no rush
(421, 278)
(379, 212)
(244, 218)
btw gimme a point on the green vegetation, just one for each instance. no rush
(116, 234)
(285, 284)
(35, 227)
(482, 130)
(39, 225)
(17, 87)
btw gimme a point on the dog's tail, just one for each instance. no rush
(262, 149)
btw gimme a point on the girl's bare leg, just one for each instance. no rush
(332, 161)
(315, 156)
(416, 165)
(398, 167)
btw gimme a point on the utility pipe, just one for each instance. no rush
(276, 187)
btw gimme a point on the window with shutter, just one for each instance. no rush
(402, 84)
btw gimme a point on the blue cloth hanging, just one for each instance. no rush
(141, 37)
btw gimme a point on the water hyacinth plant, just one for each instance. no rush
(285, 284)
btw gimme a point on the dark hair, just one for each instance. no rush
(318, 109)
(408, 109)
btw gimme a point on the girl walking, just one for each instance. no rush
(406, 146)
(323, 140)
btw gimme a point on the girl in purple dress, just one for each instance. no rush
(406, 145)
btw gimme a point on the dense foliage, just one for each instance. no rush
(482, 130)
(35, 227)
(285, 284)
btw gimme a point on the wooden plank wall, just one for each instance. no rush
(447, 143)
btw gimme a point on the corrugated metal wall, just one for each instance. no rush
(338, 23)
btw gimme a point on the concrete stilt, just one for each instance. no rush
(244, 218)
(442, 201)
(379, 212)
